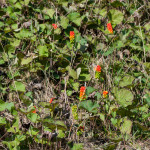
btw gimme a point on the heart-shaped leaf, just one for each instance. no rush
(89, 106)
(124, 97)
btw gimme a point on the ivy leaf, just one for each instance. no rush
(72, 72)
(64, 22)
(9, 106)
(147, 99)
(75, 17)
(98, 95)
(126, 126)
(2, 105)
(61, 134)
(124, 97)
(85, 77)
(127, 80)
(49, 12)
(10, 50)
(75, 86)
(2, 121)
(89, 90)
(12, 1)
(43, 51)
(103, 12)
(26, 61)
(19, 86)
(109, 51)
(32, 116)
(26, 2)
(24, 33)
(50, 123)
(116, 16)
(147, 26)
(117, 4)
(89, 106)
(77, 146)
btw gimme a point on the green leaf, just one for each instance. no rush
(75, 17)
(9, 106)
(126, 126)
(2, 121)
(77, 146)
(26, 2)
(30, 110)
(147, 99)
(1, 61)
(26, 61)
(53, 124)
(12, 1)
(85, 77)
(33, 131)
(7, 29)
(43, 51)
(1, 24)
(127, 80)
(24, 33)
(57, 31)
(32, 116)
(98, 95)
(147, 48)
(75, 86)
(10, 50)
(116, 16)
(2, 105)
(64, 21)
(19, 86)
(20, 137)
(147, 26)
(109, 51)
(15, 74)
(103, 12)
(89, 90)
(69, 92)
(102, 116)
(114, 121)
(61, 134)
(89, 106)
(72, 72)
(14, 26)
(18, 5)
(15, 126)
(117, 4)
(15, 43)
(124, 97)
(117, 79)
(77, 21)
(49, 12)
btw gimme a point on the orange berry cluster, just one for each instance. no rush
(51, 100)
(109, 27)
(34, 110)
(97, 71)
(72, 37)
(98, 68)
(82, 93)
(54, 26)
(105, 94)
